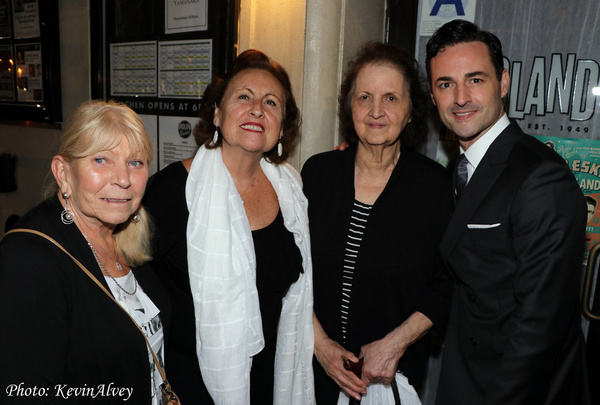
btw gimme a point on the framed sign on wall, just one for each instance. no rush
(158, 56)
(30, 60)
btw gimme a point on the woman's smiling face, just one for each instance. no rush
(251, 112)
(381, 106)
(106, 188)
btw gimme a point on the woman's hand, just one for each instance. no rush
(331, 355)
(381, 356)
(381, 360)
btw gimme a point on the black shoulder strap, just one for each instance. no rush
(99, 284)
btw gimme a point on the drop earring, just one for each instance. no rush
(66, 216)
(280, 147)
(215, 137)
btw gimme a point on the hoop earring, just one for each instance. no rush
(66, 216)
(215, 137)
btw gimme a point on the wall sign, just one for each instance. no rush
(158, 56)
(29, 72)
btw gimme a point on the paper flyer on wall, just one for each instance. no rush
(5, 20)
(175, 139)
(151, 124)
(185, 15)
(26, 18)
(133, 69)
(184, 68)
(583, 157)
(29, 72)
(6, 73)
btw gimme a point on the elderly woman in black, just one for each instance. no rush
(377, 211)
(62, 334)
(233, 247)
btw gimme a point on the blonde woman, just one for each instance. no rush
(63, 337)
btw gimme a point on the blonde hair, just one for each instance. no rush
(98, 125)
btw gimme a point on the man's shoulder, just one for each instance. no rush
(532, 162)
(529, 150)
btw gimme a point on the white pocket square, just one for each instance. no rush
(482, 226)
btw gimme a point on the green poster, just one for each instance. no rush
(583, 157)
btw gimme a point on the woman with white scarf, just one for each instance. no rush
(233, 248)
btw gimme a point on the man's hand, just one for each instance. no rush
(342, 146)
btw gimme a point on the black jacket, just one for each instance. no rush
(59, 329)
(515, 245)
(399, 270)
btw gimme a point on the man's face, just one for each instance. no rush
(466, 91)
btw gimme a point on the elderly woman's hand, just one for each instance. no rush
(381, 356)
(331, 355)
(381, 359)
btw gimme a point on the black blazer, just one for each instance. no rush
(398, 270)
(514, 245)
(58, 327)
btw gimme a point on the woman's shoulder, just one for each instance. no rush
(167, 182)
(329, 156)
(29, 251)
(425, 174)
(328, 160)
(174, 172)
(43, 217)
(418, 161)
(165, 195)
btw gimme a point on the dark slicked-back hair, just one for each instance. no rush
(376, 53)
(460, 32)
(250, 59)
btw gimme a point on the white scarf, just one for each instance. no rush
(222, 270)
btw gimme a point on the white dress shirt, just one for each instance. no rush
(479, 148)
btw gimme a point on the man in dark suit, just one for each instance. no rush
(514, 244)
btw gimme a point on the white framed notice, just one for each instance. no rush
(133, 68)
(184, 68)
(26, 18)
(185, 15)
(151, 124)
(175, 138)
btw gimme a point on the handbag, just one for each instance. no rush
(168, 395)
(399, 392)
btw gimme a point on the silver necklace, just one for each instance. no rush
(245, 191)
(110, 275)
(119, 267)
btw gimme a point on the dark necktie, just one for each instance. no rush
(462, 175)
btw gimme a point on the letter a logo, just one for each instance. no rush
(460, 10)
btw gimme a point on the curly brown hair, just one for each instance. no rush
(415, 132)
(250, 59)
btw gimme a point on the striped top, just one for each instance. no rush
(358, 223)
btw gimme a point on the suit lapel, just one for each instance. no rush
(489, 169)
